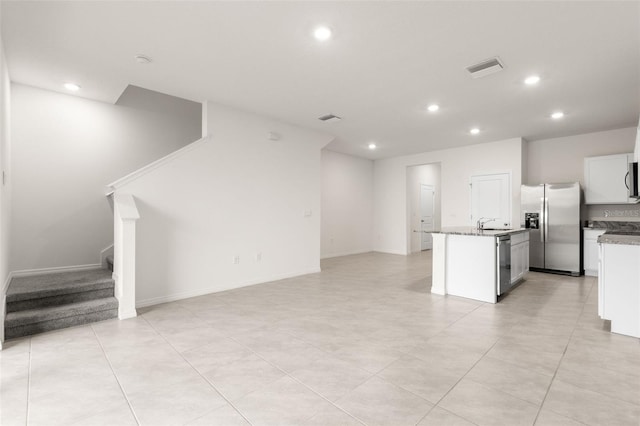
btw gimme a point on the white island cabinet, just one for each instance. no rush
(466, 262)
(619, 283)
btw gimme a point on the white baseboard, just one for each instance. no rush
(5, 287)
(390, 251)
(208, 290)
(345, 253)
(29, 272)
(3, 304)
(103, 255)
(3, 301)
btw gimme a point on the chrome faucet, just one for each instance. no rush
(481, 222)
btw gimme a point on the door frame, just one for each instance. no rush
(433, 210)
(407, 207)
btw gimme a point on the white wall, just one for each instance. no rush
(188, 113)
(562, 159)
(427, 174)
(238, 194)
(347, 204)
(65, 150)
(457, 166)
(636, 149)
(5, 186)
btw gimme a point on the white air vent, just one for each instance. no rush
(329, 118)
(487, 67)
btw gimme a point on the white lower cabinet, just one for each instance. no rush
(590, 244)
(619, 287)
(519, 256)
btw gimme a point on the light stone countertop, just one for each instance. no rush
(470, 230)
(632, 239)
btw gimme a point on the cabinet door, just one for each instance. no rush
(591, 251)
(591, 257)
(517, 262)
(605, 179)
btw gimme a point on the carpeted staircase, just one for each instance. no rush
(47, 302)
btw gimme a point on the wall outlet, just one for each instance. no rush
(258, 257)
(236, 260)
(308, 213)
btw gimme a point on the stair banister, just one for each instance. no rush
(124, 267)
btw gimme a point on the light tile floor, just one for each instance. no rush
(362, 342)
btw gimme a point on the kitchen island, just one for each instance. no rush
(466, 261)
(619, 281)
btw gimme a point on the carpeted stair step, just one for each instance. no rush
(32, 321)
(59, 288)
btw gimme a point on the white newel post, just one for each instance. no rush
(124, 254)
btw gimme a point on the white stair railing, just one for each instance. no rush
(124, 254)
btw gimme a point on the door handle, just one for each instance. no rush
(546, 219)
(625, 180)
(541, 223)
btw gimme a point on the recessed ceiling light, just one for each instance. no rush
(474, 131)
(433, 107)
(557, 115)
(142, 59)
(372, 146)
(72, 86)
(531, 80)
(322, 33)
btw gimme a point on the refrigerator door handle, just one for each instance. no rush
(543, 221)
(546, 219)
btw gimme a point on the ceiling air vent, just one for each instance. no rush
(329, 118)
(487, 67)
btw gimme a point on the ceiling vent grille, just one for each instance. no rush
(329, 118)
(484, 68)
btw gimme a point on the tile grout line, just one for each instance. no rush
(124, 393)
(560, 362)
(286, 373)
(29, 381)
(199, 373)
(464, 375)
(283, 371)
(555, 373)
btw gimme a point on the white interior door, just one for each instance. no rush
(491, 199)
(427, 195)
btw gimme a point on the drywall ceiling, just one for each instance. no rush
(385, 63)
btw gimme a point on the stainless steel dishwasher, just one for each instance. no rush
(504, 264)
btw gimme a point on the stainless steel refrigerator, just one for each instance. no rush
(551, 212)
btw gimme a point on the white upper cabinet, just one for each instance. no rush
(606, 179)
